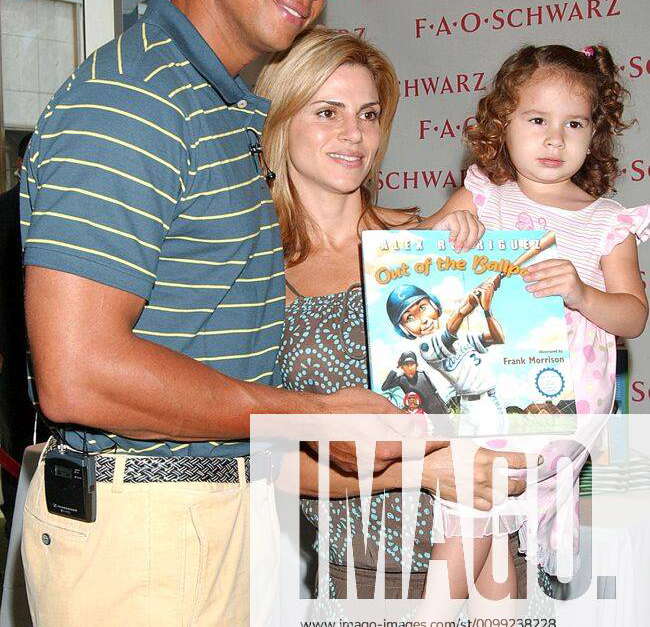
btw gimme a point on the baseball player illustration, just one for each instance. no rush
(417, 381)
(415, 314)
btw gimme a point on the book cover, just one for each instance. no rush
(458, 333)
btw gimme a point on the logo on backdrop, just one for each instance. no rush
(522, 17)
(421, 179)
(637, 67)
(640, 391)
(638, 170)
(442, 85)
(360, 31)
(445, 129)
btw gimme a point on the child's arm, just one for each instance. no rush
(460, 200)
(622, 310)
(460, 217)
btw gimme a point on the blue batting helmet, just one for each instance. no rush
(400, 299)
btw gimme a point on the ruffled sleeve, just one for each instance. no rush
(479, 185)
(635, 220)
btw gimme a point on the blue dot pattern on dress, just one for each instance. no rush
(323, 350)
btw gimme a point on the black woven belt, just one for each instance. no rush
(148, 469)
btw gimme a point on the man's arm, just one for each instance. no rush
(439, 475)
(91, 369)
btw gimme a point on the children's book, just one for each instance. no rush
(458, 333)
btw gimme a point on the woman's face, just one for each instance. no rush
(333, 139)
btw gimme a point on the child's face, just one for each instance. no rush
(420, 317)
(549, 133)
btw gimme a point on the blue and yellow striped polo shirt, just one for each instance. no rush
(140, 176)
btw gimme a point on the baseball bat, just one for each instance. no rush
(545, 242)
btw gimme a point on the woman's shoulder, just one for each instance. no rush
(406, 218)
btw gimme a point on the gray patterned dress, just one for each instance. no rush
(323, 350)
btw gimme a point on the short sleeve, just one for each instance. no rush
(437, 346)
(476, 342)
(104, 176)
(634, 221)
(479, 185)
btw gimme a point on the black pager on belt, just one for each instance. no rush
(70, 486)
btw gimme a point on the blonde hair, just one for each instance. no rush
(290, 80)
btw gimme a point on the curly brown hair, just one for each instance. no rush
(594, 70)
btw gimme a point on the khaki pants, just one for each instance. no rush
(158, 554)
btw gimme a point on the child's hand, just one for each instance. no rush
(556, 277)
(465, 229)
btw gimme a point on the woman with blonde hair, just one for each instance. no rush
(333, 98)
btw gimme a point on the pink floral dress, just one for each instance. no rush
(583, 237)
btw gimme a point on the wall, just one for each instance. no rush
(445, 54)
(38, 53)
(40, 48)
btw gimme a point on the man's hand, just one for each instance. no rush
(465, 229)
(441, 475)
(359, 400)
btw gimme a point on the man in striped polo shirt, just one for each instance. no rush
(155, 303)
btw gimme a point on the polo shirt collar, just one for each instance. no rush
(196, 50)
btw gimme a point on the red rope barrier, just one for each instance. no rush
(9, 463)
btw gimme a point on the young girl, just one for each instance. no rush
(543, 148)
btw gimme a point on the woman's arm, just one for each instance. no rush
(622, 310)
(438, 476)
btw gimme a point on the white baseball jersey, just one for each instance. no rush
(459, 360)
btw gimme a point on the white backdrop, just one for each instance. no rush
(446, 53)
